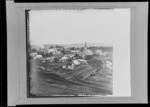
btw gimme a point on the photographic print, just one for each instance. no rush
(70, 52)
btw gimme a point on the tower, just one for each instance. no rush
(85, 46)
(85, 50)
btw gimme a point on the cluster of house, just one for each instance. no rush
(108, 64)
(74, 57)
(74, 63)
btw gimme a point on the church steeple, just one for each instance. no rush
(85, 50)
(85, 46)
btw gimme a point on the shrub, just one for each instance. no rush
(93, 61)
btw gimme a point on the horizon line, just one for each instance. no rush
(87, 43)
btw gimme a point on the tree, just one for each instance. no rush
(51, 47)
(72, 48)
(78, 56)
(33, 50)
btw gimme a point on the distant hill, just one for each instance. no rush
(92, 46)
(36, 46)
(103, 48)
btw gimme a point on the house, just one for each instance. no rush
(63, 59)
(77, 56)
(104, 53)
(76, 62)
(57, 53)
(74, 51)
(99, 52)
(109, 64)
(50, 59)
(71, 67)
(82, 61)
(33, 54)
(52, 50)
(38, 57)
(86, 51)
(89, 52)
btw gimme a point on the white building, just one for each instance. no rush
(99, 52)
(86, 51)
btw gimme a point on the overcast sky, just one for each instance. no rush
(79, 26)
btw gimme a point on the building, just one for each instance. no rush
(86, 51)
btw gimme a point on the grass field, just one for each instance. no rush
(49, 79)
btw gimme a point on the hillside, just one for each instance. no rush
(84, 80)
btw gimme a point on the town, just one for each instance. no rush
(70, 70)
(69, 57)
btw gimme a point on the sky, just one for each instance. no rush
(101, 26)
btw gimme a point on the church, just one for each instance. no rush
(86, 51)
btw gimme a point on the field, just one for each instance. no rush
(49, 79)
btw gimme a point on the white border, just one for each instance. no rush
(16, 48)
